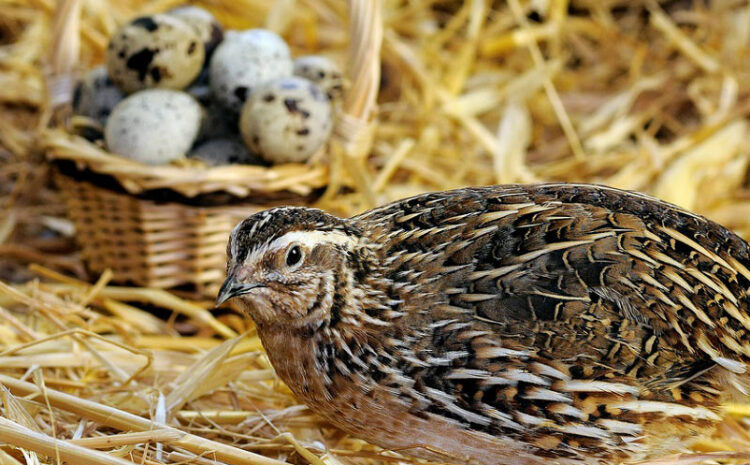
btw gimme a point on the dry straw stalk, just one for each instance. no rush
(117, 419)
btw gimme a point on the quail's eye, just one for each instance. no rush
(293, 255)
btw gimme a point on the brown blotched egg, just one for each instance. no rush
(154, 51)
(286, 120)
(203, 23)
(154, 126)
(323, 72)
(245, 60)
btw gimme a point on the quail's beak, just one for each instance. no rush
(231, 288)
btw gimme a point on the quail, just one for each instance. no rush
(515, 324)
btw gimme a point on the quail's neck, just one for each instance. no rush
(348, 343)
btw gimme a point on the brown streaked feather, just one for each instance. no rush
(631, 301)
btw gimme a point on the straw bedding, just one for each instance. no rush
(643, 95)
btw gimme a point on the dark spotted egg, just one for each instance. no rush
(154, 51)
(245, 60)
(323, 72)
(286, 120)
(203, 23)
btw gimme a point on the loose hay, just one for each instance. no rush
(635, 94)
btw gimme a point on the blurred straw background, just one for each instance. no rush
(645, 95)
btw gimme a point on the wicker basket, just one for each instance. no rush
(177, 238)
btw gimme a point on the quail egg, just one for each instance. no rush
(154, 51)
(95, 95)
(323, 72)
(224, 151)
(286, 120)
(244, 61)
(203, 23)
(153, 126)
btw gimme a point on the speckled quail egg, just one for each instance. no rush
(286, 120)
(224, 151)
(323, 72)
(153, 126)
(154, 51)
(95, 95)
(244, 61)
(203, 23)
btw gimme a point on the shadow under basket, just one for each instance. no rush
(152, 243)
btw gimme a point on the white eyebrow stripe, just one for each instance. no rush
(308, 239)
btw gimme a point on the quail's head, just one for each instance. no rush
(284, 265)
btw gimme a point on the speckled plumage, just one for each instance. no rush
(509, 324)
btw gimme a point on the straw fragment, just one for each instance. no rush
(549, 88)
(682, 42)
(126, 421)
(199, 378)
(22, 437)
(125, 439)
(513, 138)
(694, 165)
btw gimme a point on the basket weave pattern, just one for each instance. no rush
(147, 243)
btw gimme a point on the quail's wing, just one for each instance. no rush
(567, 315)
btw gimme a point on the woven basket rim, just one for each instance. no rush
(136, 178)
(354, 125)
(218, 198)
